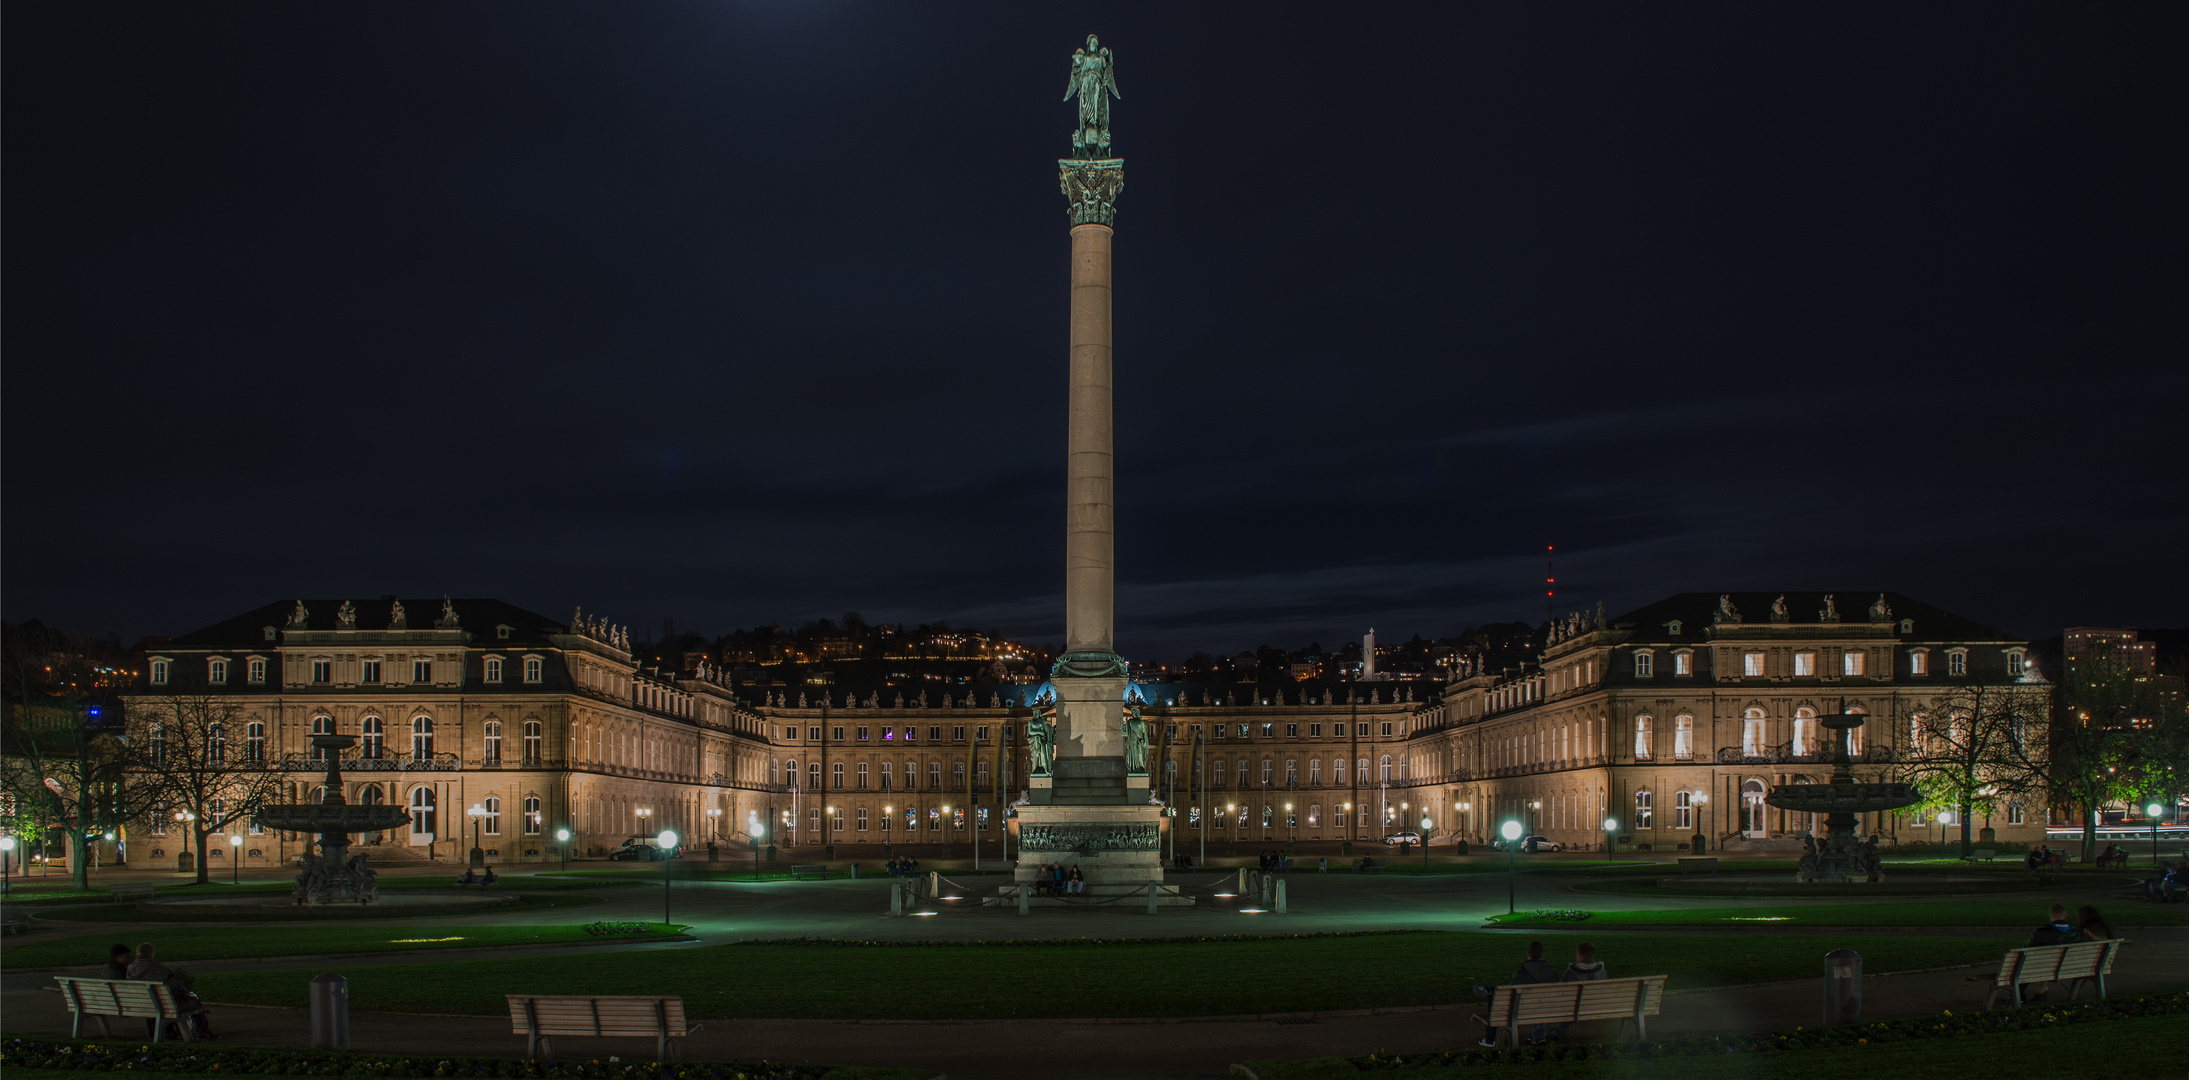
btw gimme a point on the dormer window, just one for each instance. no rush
(1673, 628)
(216, 670)
(493, 669)
(158, 670)
(1957, 662)
(1645, 664)
(271, 633)
(1907, 626)
(1683, 662)
(254, 670)
(1919, 661)
(532, 669)
(2017, 663)
(502, 632)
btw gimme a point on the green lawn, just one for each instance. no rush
(2118, 1050)
(181, 945)
(2009, 913)
(1166, 978)
(131, 913)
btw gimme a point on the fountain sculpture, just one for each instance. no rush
(1841, 857)
(333, 875)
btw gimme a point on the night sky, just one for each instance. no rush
(752, 313)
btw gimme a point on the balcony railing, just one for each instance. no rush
(431, 763)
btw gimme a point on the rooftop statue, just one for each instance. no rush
(1094, 82)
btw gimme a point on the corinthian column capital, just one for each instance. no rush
(1091, 188)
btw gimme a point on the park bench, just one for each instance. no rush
(139, 891)
(1634, 999)
(1692, 863)
(804, 873)
(1370, 866)
(9, 924)
(2083, 961)
(538, 1017)
(101, 998)
(1980, 855)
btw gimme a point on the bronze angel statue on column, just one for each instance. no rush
(1094, 82)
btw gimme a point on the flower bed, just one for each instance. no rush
(976, 943)
(1944, 1025)
(92, 1057)
(618, 929)
(1544, 915)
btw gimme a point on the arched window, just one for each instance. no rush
(375, 740)
(790, 774)
(156, 743)
(1314, 772)
(1752, 732)
(1219, 772)
(421, 737)
(422, 813)
(1362, 766)
(836, 775)
(1753, 822)
(1854, 735)
(1644, 741)
(1683, 737)
(1641, 810)
(1314, 815)
(1805, 730)
(1269, 771)
(216, 744)
(957, 776)
(321, 725)
(318, 794)
(254, 742)
(493, 819)
(533, 742)
(493, 742)
(1385, 767)
(532, 815)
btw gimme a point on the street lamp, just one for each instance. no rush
(667, 840)
(235, 861)
(828, 850)
(946, 831)
(1427, 827)
(185, 817)
(759, 829)
(714, 823)
(2152, 810)
(887, 813)
(1288, 826)
(562, 836)
(1611, 839)
(476, 813)
(1511, 832)
(7, 862)
(1231, 826)
(1701, 799)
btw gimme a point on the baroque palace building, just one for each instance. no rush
(1675, 719)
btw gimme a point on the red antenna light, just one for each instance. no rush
(1549, 582)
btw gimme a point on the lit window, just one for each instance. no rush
(1919, 662)
(493, 669)
(1850, 663)
(1683, 737)
(1641, 810)
(532, 815)
(1644, 664)
(1683, 663)
(1752, 664)
(254, 670)
(1314, 772)
(1805, 664)
(370, 672)
(1752, 733)
(159, 673)
(1641, 738)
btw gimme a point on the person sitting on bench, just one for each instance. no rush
(1532, 970)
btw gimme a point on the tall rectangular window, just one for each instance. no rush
(862, 776)
(322, 671)
(1683, 663)
(1683, 810)
(1805, 663)
(421, 671)
(1683, 737)
(159, 673)
(1641, 810)
(1643, 744)
(1919, 663)
(2014, 665)
(862, 813)
(369, 672)
(1850, 663)
(1752, 664)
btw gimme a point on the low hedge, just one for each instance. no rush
(1201, 939)
(1944, 1025)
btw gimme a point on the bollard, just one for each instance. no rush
(1151, 898)
(934, 883)
(1025, 899)
(854, 871)
(1280, 896)
(900, 894)
(1842, 987)
(330, 1012)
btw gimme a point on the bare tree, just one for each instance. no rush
(1976, 747)
(65, 759)
(206, 760)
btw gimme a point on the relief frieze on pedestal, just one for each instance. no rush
(1089, 839)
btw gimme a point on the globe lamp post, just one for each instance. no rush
(562, 836)
(476, 813)
(2152, 810)
(1511, 833)
(7, 863)
(667, 840)
(1427, 829)
(235, 861)
(1611, 839)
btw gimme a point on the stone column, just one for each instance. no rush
(1090, 514)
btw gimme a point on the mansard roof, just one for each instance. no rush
(479, 617)
(1697, 614)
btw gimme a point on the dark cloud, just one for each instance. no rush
(752, 313)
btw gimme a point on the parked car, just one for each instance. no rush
(1403, 838)
(641, 849)
(1532, 845)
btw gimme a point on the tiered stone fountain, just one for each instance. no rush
(333, 875)
(1841, 857)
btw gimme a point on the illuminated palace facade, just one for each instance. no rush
(475, 715)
